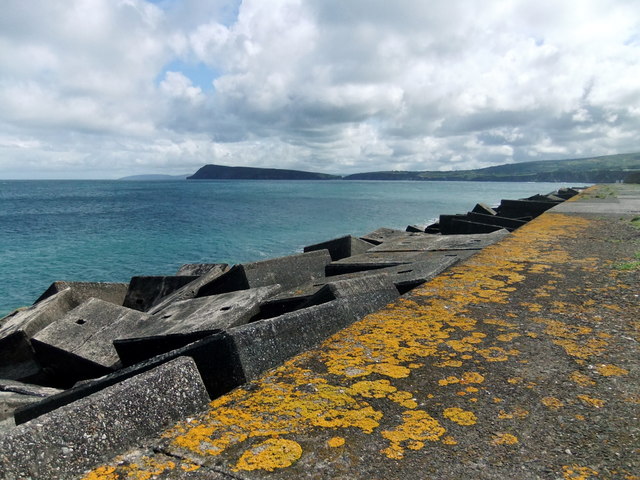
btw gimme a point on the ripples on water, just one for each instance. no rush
(112, 230)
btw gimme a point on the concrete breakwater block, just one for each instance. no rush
(107, 291)
(198, 269)
(384, 234)
(145, 292)
(221, 311)
(524, 208)
(191, 289)
(68, 441)
(484, 209)
(504, 222)
(286, 271)
(17, 357)
(440, 243)
(377, 284)
(15, 394)
(376, 260)
(79, 345)
(341, 247)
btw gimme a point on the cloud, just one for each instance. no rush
(103, 88)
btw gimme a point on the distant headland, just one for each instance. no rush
(603, 169)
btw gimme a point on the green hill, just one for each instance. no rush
(220, 172)
(604, 169)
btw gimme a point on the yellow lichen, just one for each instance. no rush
(504, 439)
(335, 442)
(581, 379)
(269, 455)
(449, 440)
(460, 416)
(576, 472)
(552, 402)
(611, 370)
(591, 401)
(416, 427)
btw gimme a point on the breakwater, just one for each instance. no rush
(231, 324)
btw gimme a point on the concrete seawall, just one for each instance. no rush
(520, 361)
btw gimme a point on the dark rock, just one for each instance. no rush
(341, 247)
(66, 442)
(145, 292)
(286, 271)
(415, 229)
(82, 291)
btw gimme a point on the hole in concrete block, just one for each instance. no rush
(81, 321)
(224, 309)
(404, 271)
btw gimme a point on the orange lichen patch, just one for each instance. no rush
(532, 334)
(269, 455)
(576, 472)
(514, 380)
(404, 399)
(471, 389)
(496, 354)
(579, 417)
(611, 370)
(472, 377)
(335, 442)
(581, 379)
(146, 468)
(507, 337)
(448, 381)
(552, 403)
(504, 439)
(449, 363)
(591, 401)
(517, 412)
(533, 307)
(449, 440)
(373, 389)
(417, 426)
(460, 416)
(576, 340)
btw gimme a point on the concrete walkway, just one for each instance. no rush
(521, 362)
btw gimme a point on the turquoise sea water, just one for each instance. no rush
(112, 230)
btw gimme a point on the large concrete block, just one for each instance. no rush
(464, 227)
(425, 243)
(199, 269)
(191, 290)
(266, 344)
(82, 291)
(286, 271)
(80, 345)
(523, 208)
(66, 442)
(15, 394)
(483, 209)
(341, 247)
(145, 292)
(376, 260)
(17, 357)
(380, 283)
(504, 222)
(221, 311)
(384, 234)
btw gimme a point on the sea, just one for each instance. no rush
(110, 230)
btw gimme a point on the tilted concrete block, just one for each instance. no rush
(15, 394)
(377, 260)
(504, 222)
(145, 292)
(378, 284)
(384, 234)
(221, 311)
(199, 269)
(82, 291)
(66, 442)
(17, 357)
(191, 290)
(80, 345)
(426, 243)
(523, 208)
(286, 271)
(341, 247)
(484, 209)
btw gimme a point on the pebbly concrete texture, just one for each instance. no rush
(192, 289)
(198, 269)
(380, 284)
(288, 272)
(80, 345)
(520, 362)
(82, 291)
(375, 260)
(146, 291)
(341, 247)
(15, 394)
(384, 234)
(425, 243)
(221, 311)
(64, 443)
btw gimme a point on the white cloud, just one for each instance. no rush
(94, 87)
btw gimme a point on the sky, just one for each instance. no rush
(109, 88)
